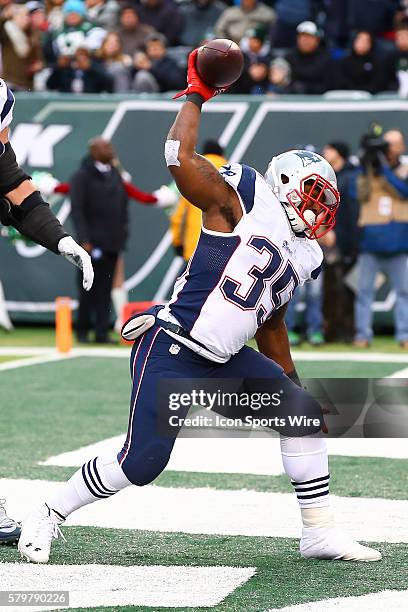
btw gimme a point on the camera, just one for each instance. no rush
(373, 148)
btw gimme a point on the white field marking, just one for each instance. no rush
(390, 448)
(373, 602)
(76, 352)
(400, 374)
(210, 455)
(30, 361)
(210, 511)
(297, 355)
(352, 356)
(259, 456)
(27, 350)
(138, 585)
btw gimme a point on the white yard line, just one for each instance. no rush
(297, 355)
(400, 374)
(156, 586)
(209, 511)
(76, 352)
(210, 455)
(374, 602)
(30, 361)
(235, 455)
(351, 356)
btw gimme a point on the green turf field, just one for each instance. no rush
(54, 408)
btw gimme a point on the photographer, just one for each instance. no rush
(382, 193)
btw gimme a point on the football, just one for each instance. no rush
(220, 62)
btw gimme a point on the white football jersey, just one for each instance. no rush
(6, 105)
(234, 282)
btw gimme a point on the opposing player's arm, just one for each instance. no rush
(272, 340)
(22, 206)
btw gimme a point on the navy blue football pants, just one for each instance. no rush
(147, 450)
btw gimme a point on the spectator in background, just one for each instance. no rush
(312, 294)
(20, 48)
(361, 68)
(55, 14)
(340, 258)
(279, 77)
(103, 13)
(254, 78)
(116, 63)
(155, 70)
(79, 75)
(38, 18)
(185, 222)
(75, 32)
(132, 33)
(289, 14)
(165, 17)
(236, 20)
(382, 192)
(100, 215)
(199, 18)
(310, 61)
(396, 63)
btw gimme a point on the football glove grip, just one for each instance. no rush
(195, 85)
(76, 255)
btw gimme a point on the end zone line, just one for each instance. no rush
(125, 352)
(30, 361)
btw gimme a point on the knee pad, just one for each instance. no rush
(146, 465)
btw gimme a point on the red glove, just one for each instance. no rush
(194, 82)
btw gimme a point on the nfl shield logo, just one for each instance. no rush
(174, 349)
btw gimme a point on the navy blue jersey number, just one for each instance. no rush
(285, 277)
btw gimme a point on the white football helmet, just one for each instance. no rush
(306, 186)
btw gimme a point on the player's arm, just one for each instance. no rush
(197, 179)
(272, 340)
(22, 206)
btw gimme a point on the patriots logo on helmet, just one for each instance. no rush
(308, 157)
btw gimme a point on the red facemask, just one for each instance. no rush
(322, 199)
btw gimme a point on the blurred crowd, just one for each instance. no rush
(289, 46)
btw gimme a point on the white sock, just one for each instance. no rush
(99, 478)
(306, 463)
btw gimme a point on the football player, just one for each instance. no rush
(258, 242)
(22, 206)
(9, 529)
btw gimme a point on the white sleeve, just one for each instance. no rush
(6, 105)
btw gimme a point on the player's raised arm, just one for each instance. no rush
(197, 179)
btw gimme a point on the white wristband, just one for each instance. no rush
(171, 149)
